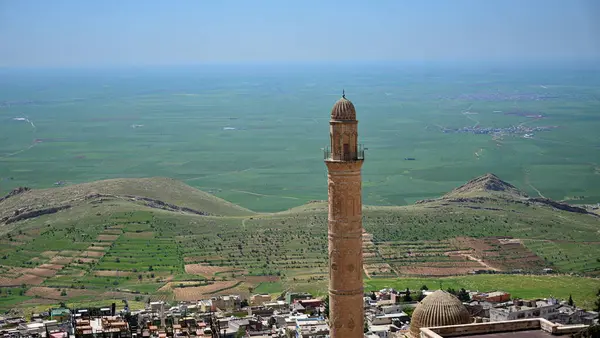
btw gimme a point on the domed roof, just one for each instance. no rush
(343, 109)
(438, 309)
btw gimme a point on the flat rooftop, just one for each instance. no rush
(533, 328)
(515, 334)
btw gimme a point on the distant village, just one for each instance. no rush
(526, 132)
(387, 314)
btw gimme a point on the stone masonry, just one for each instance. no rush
(344, 164)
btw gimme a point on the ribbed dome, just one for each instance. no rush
(438, 309)
(343, 109)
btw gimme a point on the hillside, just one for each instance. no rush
(154, 192)
(159, 238)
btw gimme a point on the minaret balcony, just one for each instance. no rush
(358, 155)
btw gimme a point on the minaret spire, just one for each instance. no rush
(344, 161)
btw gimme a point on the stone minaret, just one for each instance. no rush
(344, 160)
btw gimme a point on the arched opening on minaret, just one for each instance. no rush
(347, 154)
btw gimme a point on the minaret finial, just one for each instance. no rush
(343, 93)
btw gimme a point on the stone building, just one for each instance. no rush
(438, 309)
(344, 160)
(521, 309)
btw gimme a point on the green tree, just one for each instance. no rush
(63, 293)
(326, 306)
(424, 287)
(571, 303)
(366, 327)
(407, 297)
(463, 295)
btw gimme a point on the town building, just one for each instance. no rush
(314, 327)
(522, 309)
(260, 299)
(291, 297)
(492, 297)
(227, 303)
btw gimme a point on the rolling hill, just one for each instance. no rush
(161, 239)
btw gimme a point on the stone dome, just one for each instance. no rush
(438, 309)
(343, 109)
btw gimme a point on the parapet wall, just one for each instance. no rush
(503, 326)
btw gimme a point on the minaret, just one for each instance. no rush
(344, 160)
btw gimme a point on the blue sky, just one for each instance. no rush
(134, 32)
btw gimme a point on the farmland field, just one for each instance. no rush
(104, 227)
(191, 256)
(582, 290)
(253, 135)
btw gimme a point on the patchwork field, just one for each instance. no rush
(177, 255)
(250, 139)
(252, 134)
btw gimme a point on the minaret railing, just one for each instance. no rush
(358, 155)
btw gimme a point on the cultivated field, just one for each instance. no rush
(139, 238)
(262, 134)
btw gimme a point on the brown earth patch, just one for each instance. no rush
(97, 248)
(92, 254)
(378, 269)
(500, 253)
(6, 281)
(61, 260)
(14, 272)
(112, 232)
(54, 293)
(51, 266)
(471, 243)
(69, 253)
(111, 273)
(105, 238)
(42, 272)
(144, 234)
(205, 270)
(29, 280)
(199, 292)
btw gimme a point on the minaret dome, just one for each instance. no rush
(343, 109)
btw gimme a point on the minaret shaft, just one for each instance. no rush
(344, 164)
